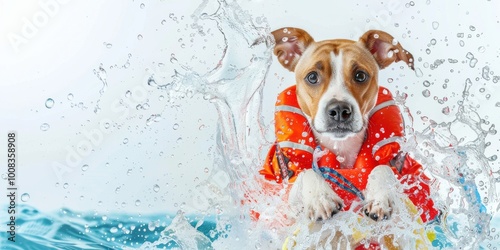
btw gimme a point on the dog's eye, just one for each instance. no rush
(360, 76)
(312, 78)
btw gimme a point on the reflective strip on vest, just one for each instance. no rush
(289, 109)
(381, 106)
(289, 144)
(384, 142)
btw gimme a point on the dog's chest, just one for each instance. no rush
(345, 150)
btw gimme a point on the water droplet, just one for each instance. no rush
(153, 118)
(128, 93)
(44, 127)
(137, 202)
(176, 126)
(435, 25)
(472, 28)
(156, 188)
(104, 217)
(206, 170)
(426, 83)
(446, 110)
(113, 230)
(125, 141)
(70, 96)
(481, 49)
(418, 72)
(25, 197)
(428, 51)
(65, 185)
(139, 37)
(426, 93)
(172, 58)
(486, 73)
(462, 43)
(129, 171)
(284, 39)
(108, 45)
(49, 103)
(389, 80)
(151, 226)
(473, 62)
(85, 167)
(163, 22)
(117, 190)
(433, 41)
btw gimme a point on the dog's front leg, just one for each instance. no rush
(380, 193)
(312, 195)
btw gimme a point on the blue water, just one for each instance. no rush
(67, 229)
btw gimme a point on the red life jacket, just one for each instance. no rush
(295, 144)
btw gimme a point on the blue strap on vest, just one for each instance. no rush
(330, 173)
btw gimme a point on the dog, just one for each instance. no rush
(333, 104)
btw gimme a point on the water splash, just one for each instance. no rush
(102, 76)
(454, 152)
(180, 234)
(234, 86)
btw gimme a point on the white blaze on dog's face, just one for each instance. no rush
(337, 79)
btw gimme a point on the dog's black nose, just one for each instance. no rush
(339, 111)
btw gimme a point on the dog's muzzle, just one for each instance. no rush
(340, 118)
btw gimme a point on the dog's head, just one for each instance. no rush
(337, 79)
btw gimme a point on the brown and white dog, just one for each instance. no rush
(337, 80)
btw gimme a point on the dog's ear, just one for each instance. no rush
(385, 49)
(290, 44)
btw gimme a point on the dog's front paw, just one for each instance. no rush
(312, 195)
(380, 193)
(379, 209)
(322, 205)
